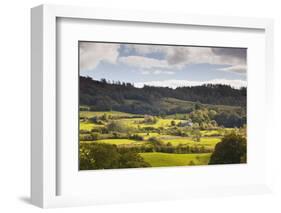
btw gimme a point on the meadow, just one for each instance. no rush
(160, 141)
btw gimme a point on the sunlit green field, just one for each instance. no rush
(160, 132)
(208, 142)
(204, 141)
(160, 123)
(87, 126)
(164, 159)
(117, 141)
(89, 114)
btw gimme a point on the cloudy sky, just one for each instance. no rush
(162, 65)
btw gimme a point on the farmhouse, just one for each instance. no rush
(187, 123)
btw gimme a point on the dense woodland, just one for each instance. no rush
(115, 93)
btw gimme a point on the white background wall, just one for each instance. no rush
(15, 103)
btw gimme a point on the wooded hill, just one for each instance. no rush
(103, 95)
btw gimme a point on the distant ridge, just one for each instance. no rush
(125, 97)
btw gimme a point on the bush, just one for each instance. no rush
(136, 137)
(191, 163)
(82, 131)
(96, 130)
(196, 135)
(131, 159)
(85, 137)
(155, 141)
(118, 126)
(150, 119)
(95, 136)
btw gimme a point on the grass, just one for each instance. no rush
(209, 132)
(89, 114)
(205, 141)
(171, 103)
(157, 159)
(147, 136)
(161, 123)
(87, 126)
(117, 141)
(209, 138)
(138, 122)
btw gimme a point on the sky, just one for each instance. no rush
(163, 65)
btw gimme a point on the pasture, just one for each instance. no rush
(146, 133)
(156, 159)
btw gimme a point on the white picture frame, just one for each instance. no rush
(44, 153)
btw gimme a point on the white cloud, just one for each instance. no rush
(165, 72)
(142, 62)
(176, 57)
(236, 68)
(147, 49)
(173, 57)
(91, 54)
(185, 83)
(157, 72)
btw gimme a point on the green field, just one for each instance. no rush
(164, 159)
(204, 141)
(87, 126)
(164, 141)
(117, 141)
(89, 114)
(122, 125)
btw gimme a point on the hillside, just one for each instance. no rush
(124, 97)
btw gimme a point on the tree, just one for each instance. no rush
(104, 117)
(191, 163)
(99, 156)
(232, 149)
(95, 136)
(196, 135)
(131, 159)
(150, 119)
(108, 156)
(118, 126)
(212, 114)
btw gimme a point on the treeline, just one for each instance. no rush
(103, 95)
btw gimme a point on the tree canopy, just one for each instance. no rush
(231, 150)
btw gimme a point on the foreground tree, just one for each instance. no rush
(99, 156)
(232, 149)
(108, 156)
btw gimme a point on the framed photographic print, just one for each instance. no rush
(129, 106)
(136, 111)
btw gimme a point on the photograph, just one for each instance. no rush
(161, 105)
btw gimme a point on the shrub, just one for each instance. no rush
(196, 135)
(83, 131)
(118, 126)
(191, 163)
(136, 137)
(150, 119)
(155, 141)
(95, 136)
